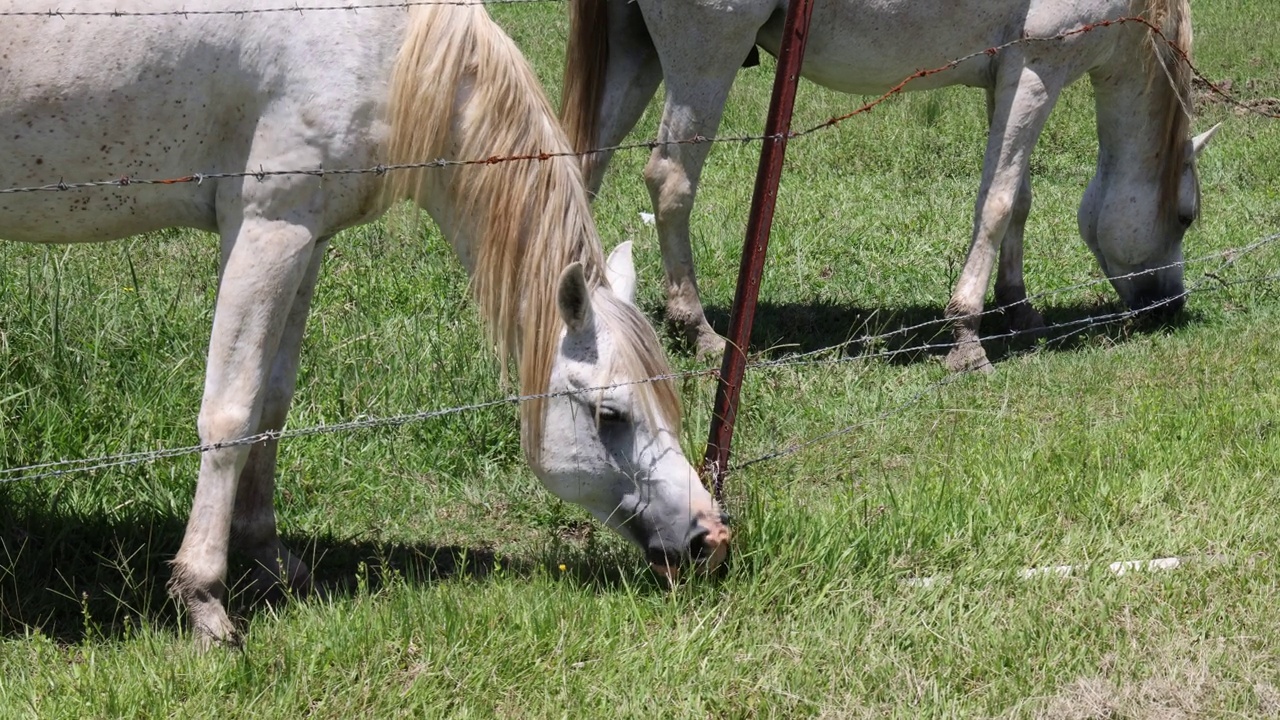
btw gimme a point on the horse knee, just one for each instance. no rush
(994, 215)
(225, 423)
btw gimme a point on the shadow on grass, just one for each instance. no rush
(82, 577)
(918, 333)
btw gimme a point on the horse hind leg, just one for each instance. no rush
(1021, 103)
(274, 570)
(263, 266)
(698, 78)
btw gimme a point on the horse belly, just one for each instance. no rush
(869, 46)
(94, 100)
(60, 139)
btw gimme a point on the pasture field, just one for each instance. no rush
(460, 588)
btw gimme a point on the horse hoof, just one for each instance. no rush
(288, 579)
(710, 346)
(213, 629)
(968, 357)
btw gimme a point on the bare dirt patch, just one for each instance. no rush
(1204, 95)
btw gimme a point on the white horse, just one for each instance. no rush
(1135, 211)
(103, 97)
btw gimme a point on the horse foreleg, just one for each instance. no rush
(253, 524)
(698, 78)
(1023, 98)
(263, 266)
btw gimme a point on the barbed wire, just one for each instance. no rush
(58, 468)
(40, 471)
(1075, 328)
(651, 144)
(296, 8)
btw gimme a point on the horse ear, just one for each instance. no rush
(621, 271)
(1198, 142)
(574, 298)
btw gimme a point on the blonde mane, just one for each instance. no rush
(461, 89)
(1169, 77)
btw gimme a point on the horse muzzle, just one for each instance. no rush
(705, 550)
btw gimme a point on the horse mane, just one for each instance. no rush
(1171, 72)
(461, 88)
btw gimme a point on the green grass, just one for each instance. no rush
(1129, 442)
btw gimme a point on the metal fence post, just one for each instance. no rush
(777, 128)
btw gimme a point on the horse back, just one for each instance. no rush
(868, 46)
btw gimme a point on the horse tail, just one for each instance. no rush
(585, 66)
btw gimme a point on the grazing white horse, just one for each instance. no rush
(156, 97)
(1135, 211)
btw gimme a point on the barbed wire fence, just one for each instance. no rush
(1210, 281)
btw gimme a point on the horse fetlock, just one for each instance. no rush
(1025, 319)
(1022, 315)
(203, 601)
(690, 326)
(968, 357)
(967, 354)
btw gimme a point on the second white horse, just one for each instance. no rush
(1141, 201)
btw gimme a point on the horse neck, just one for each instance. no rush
(1141, 97)
(516, 226)
(461, 89)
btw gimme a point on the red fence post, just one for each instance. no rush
(777, 128)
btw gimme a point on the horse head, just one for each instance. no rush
(1135, 226)
(610, 440)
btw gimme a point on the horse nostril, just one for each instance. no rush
(725, 518)
(659, 556)
(698, 550)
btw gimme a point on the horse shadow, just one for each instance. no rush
(78, 577)
(913, 334)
